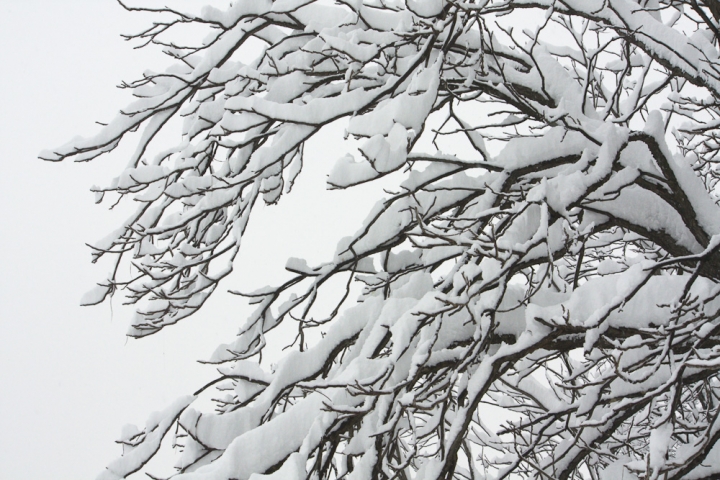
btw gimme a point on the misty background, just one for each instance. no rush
(69, 378)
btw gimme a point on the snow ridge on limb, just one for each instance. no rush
(549, 251)
(139, 447)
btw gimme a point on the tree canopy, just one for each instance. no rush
(535, 297)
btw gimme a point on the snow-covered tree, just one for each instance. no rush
(538, 294)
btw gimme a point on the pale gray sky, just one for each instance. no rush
(69, 378)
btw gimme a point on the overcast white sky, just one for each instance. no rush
(69, 379)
